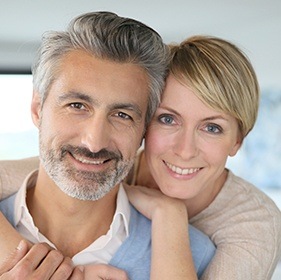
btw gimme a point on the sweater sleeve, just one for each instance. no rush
(13, 173)
(245, 225)
(242, 260)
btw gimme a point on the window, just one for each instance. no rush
(18, 135)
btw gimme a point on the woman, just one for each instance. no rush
(209, 105)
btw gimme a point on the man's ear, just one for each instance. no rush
(36, 108)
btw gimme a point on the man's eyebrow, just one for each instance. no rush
(76, 95)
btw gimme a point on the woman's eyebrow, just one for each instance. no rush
(216, 117)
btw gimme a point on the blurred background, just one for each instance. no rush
(253, 25)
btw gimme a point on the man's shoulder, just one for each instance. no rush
(139, 221)
(202, 247)
(7, 208)
(135, 253)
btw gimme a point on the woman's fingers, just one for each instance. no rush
(146, 200)
(43, 262)
(104, 272)
(36, 255)
(40, 262)
(14, 257)
(77, 274)
(150, 201)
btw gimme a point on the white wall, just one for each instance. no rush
(255, 25)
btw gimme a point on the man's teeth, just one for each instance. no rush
(182, 171)
(88, 161)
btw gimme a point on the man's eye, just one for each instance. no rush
(77, 106)
(123, 115)
(166, 119)
(214, 128)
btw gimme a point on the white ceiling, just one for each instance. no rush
(254, 25)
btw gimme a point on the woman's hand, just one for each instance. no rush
(38, 262)
(151, 202)
(104, 272)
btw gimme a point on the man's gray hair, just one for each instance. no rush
(106, 36)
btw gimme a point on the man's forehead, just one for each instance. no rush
(80, 62)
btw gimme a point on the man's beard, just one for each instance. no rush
(81, 184)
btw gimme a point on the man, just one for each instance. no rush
(96, 87)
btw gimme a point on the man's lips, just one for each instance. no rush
(88, 160)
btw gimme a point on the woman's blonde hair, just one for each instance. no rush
(220, 75)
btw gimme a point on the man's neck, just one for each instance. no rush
(70, 224)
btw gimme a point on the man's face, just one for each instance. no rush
(91, 124)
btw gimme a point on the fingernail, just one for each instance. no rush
(21, 245)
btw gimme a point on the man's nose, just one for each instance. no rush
(96, 133)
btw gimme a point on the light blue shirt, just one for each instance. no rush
(134, 255)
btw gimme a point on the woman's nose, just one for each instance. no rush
(186, 145)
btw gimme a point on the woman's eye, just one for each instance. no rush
(214, 128)
(166, 119)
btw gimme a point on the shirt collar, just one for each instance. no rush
(122, 204)
(123, 208)
(20, 200)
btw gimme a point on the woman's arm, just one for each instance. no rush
(13, 173)
(171, 255)
(9, 238)
(170, 245)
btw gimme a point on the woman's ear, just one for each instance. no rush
(36, 108)
(236, 146)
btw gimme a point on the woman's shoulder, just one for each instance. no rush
(249, 195)
(237, 203)
(13, 173)
(237, 194)
(244, 223)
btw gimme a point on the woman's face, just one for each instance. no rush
(187, 144)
